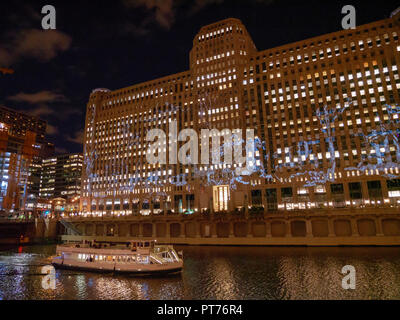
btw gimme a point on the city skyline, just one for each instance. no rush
(33, 88)
(206, 150)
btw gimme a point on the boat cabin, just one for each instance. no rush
(142, 246)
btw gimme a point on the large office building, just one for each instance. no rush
(24, 128)
(61, 176)
(16, 154)
(46, 150)
(324, 111)
(21, 124)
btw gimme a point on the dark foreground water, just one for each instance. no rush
(216, 273)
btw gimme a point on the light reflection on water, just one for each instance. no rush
(217, 273)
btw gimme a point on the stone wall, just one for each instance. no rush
(37, 230)
(340, 228)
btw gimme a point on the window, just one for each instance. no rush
(355, 191)
(287, 192)
(337, 189)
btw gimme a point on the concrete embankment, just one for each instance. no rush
(327, 228)
(19, 232)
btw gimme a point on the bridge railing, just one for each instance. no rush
(15, 220)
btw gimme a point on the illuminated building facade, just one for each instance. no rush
(16, 153)
(19, 124)
(325, 111)
(61, 176)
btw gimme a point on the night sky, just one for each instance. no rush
(114, 44)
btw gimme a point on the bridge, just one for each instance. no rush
(36, 230)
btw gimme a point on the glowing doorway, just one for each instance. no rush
(221, 198)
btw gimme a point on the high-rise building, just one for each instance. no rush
(324, 112)
(16, 154)
(20, 124)
(46, 150)
(61, 176)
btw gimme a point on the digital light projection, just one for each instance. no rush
(153, 182)
(377, 145)
(335, 141)
(230, 176)
(119, 166)
(224, 174)
(311, 172)
(384, 155)
(381, 155)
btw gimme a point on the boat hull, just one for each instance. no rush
(173, 268)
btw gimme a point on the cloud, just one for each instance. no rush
(5, 58)
(200, 4)
(77, 138)
(38, 97)
(130, 27)
(61, 150)
(161, 10)
(51, 130)
(46, 103)
(164, 11)
(40, 111)
(43, 45)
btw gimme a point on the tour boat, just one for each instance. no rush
(134, 257)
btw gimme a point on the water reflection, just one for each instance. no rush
(216, 273)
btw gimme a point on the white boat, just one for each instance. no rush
(134, 257)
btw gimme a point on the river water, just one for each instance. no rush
(216, 273)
